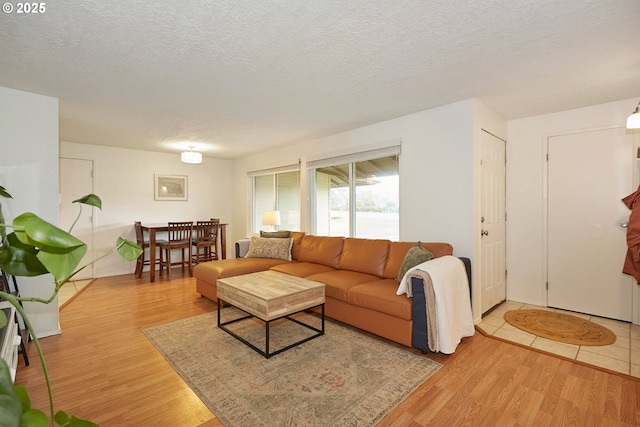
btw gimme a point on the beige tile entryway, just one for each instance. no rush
(622, 356)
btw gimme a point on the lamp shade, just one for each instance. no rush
(271, 218)
(633, 121)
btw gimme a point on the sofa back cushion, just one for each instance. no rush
(297, 241)
(364, 255)
(398, 250)
(282, 234)
(323, 250)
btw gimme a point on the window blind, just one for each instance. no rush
(360, 156)
(274, 170)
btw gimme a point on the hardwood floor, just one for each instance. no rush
(104, 369)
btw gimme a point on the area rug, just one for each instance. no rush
(342, 378)
(560, 327)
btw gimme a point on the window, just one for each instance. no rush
(358, 199)
(277, 191)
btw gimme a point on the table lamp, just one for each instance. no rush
(271, 218)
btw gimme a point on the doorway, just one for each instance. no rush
(492, 221)
(588, 173)
(76, 180)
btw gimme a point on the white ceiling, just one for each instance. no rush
(239, 76)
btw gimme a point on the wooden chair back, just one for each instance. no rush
(180, 232)
(139, 234)
(207, 231)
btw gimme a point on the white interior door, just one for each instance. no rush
(76, 180)
(588, 175)
(493, 228)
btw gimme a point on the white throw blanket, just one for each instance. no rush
(454, 318)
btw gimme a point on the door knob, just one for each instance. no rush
(484, 233)
(624, 224)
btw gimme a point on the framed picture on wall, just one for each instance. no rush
(170, 187)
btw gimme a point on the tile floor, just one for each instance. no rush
(622, 356)
(70, 290)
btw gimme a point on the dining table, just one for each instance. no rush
(153, 229)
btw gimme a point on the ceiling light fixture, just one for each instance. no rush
(192, 157)
(633, 121)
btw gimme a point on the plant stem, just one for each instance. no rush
(66, 279)
(77, 218)
(15, 302)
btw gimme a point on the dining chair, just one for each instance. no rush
(144, 244)
(206, 241)
(179, 236)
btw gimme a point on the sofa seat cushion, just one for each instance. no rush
(301, 269)
(398, 250)
(210, 271)
(337, 283)
(380, 295)
(364, 255)
(323, 250)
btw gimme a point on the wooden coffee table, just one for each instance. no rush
(269, 296)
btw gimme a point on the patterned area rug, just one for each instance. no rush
(343, 378)
(560, 327)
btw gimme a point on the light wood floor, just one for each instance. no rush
(104, 369)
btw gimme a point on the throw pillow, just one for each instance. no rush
(415, 256)
(263, 247)
(275, 234)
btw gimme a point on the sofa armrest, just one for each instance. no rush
(242, 247)
(419, 333)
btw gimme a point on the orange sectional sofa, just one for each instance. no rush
(359, 277)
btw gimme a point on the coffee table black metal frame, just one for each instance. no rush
(266, 353)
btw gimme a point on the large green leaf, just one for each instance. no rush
(61, 265)
(32, 230)
(4, 244)
(3, 193)
(91, 200)
(3, 319)
(63, 419)
(30, 417)
(34, 418)
(58, 251)
(10, 406)
(128, 250)
(19, 259)
(78, 422)
(3, 230)
(23, 396)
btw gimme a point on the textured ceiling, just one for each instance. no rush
(239, 76)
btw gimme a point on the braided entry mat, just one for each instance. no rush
(560, 327)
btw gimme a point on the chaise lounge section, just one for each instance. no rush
(360, 277)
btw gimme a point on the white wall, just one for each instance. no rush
(29, 172)
(437, 173)
(124, 180)
(436, 150)
(526, 192)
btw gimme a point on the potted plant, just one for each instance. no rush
(35, 247)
